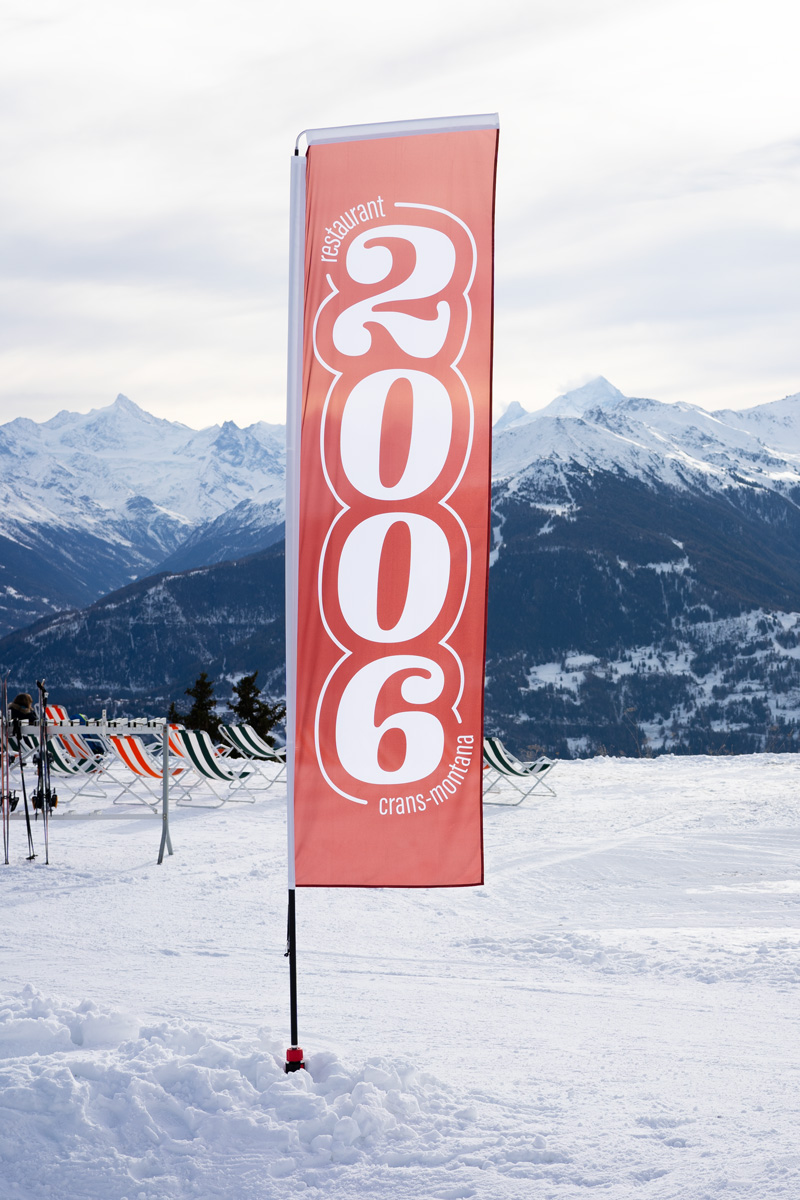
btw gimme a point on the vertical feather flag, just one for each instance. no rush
(389, 449)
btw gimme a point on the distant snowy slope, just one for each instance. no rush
(145, 643)
(91, 501)
(776, 424)
(597, 393)
(629, 530)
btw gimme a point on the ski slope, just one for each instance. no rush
(615, 1013)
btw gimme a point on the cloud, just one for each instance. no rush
(647, 216)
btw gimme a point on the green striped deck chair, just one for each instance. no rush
(501, 767)
(201, 755)
(76, 769)
(29, 746)
(245, 740)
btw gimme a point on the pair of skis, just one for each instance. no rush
(44, 798)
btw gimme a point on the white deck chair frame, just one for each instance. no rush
(65, 765)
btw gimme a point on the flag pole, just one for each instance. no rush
(297, 226)
(166, 840)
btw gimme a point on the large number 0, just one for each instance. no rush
(362, 428)
(360, 570)
(433, 270)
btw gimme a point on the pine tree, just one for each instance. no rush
(252, 710)
(201, 715)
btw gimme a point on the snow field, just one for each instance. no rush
(96, 1106)
(614, 1011)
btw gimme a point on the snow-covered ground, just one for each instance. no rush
(615, 1013)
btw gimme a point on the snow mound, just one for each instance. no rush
(96, 1106)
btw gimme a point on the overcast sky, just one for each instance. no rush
(648, 209)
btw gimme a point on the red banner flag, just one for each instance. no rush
(389, 450)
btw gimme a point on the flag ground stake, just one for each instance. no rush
(294, 1055)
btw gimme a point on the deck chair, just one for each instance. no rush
(245, 740)
(200, 754)
(64, 764)
(56, 712)
(75, 745)
(25, 748)
(178, 750)
(146, 766)
(500, 766)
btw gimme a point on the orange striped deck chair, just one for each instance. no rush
(142, 763)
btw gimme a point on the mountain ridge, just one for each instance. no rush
(644, 585)
(91, 501)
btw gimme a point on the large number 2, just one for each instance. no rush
(435, 262)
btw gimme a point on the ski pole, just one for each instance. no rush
(44, 798)
(18, 735)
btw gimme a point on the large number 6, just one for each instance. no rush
(358, 738)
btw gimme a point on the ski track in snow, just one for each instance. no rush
(614, 1013)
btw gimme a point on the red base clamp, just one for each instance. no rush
(294, 1059)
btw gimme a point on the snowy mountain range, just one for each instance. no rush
(645, 572)
(680, 445)
(90, 502)
(646, 576)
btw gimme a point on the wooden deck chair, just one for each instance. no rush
(201, 755)
(64, 764)
(245, 740)
(134, 755)
(502, 767)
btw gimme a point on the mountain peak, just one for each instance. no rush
(123, 405)
(597, 393)
(513, 413)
